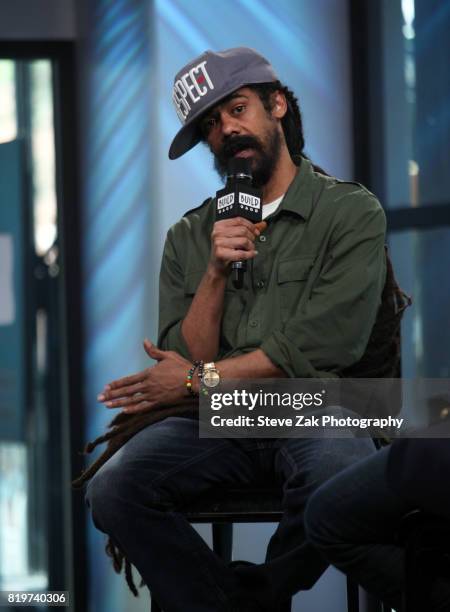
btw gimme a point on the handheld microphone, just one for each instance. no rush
(239, 199)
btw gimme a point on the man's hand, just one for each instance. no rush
(233, 240)
(160, 385)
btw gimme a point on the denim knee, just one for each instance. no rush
(108, 494)
(336, 454)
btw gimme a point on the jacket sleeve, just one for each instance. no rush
(332, 328)
(173, 301)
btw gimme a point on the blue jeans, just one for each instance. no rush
(136, 496)
(353, 520)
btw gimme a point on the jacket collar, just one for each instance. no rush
(298, 198)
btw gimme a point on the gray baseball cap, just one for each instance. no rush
(205, 81)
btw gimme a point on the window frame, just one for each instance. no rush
(67, 568)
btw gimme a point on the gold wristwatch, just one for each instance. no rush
(211, 376)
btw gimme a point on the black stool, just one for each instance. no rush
(253, 505)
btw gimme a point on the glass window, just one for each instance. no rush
(421, 260)
(409, 86)
(43, 156)
(416, 102)
(27, 133)
(8, 114)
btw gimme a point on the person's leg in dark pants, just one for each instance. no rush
(353, 520)
(134, 498)
(305, 465)
(301, 465)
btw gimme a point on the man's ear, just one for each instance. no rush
(279, 105)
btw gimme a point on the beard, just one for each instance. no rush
(263, 162)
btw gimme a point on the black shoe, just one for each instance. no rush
(243, 602)
(251, 576)
(253, 583)
(238, 564)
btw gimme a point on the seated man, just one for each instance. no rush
(354, 518)
(315, 286)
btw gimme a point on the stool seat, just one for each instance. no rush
(253, 505)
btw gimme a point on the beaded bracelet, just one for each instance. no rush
(189, 376)
(202, 389)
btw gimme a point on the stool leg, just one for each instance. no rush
(286, 606)
(373, 604)
(352, 596)
(222, 537)
(154, 607)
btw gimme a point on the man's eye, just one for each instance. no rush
(208, 124)
(237, 110)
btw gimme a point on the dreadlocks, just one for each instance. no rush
(381, 357)
(291, 123)
(123, 427)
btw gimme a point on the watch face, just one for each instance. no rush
(211, 378)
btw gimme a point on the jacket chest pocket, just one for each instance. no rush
(292, 277)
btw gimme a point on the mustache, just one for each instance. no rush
(236, 144)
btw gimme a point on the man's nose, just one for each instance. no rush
(230, 125)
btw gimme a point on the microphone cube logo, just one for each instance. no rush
(249, 202)
(236, 200)
(225, 203)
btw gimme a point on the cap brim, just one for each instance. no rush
(189, 135)
(186, 138)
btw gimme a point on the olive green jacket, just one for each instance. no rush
(311, 294)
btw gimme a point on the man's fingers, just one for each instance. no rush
(125, 401)
(235, 221)
(120, 383)
(236, 232)
(153, 351)
(238, 226)
(145, 406)
(238, 242)
(127, 391)
(261, 226)
(235, 254)
(240, 255)
(232, 233)
(253, 227)
(127, 380)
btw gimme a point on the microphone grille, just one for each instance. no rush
(239, 165)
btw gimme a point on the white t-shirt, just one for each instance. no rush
(271, 207)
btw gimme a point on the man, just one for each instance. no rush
(316, 272)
